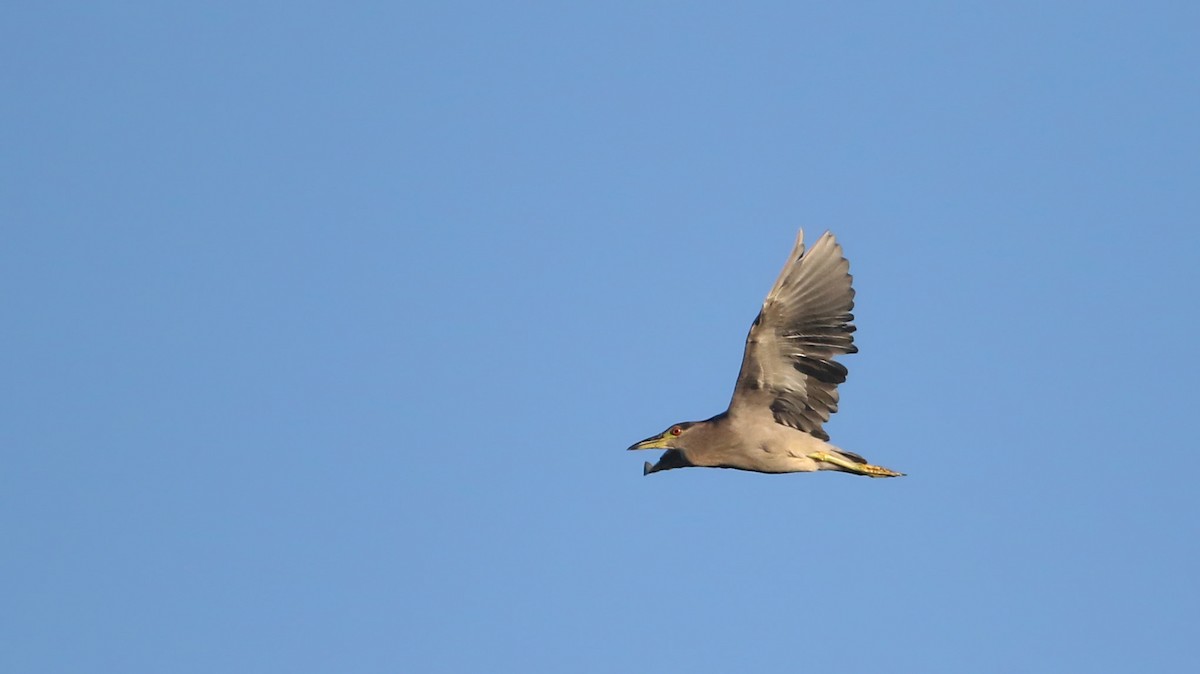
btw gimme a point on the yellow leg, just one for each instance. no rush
(853, 467)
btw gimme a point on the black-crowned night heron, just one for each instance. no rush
(788, 384)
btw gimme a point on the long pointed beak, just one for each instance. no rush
(657, 442)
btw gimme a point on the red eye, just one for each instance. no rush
(675, 430)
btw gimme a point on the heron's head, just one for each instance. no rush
(675, 441)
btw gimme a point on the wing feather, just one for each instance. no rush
(805, 321)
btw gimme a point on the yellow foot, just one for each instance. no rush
(854, 467)
(878, 471)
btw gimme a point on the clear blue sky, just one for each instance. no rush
(326, 326)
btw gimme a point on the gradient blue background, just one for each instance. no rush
(326, 326)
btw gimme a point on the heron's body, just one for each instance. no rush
(743, 442)
(787, 387)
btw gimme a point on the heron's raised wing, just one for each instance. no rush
(804, 322)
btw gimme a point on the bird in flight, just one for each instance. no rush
(788, 384)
